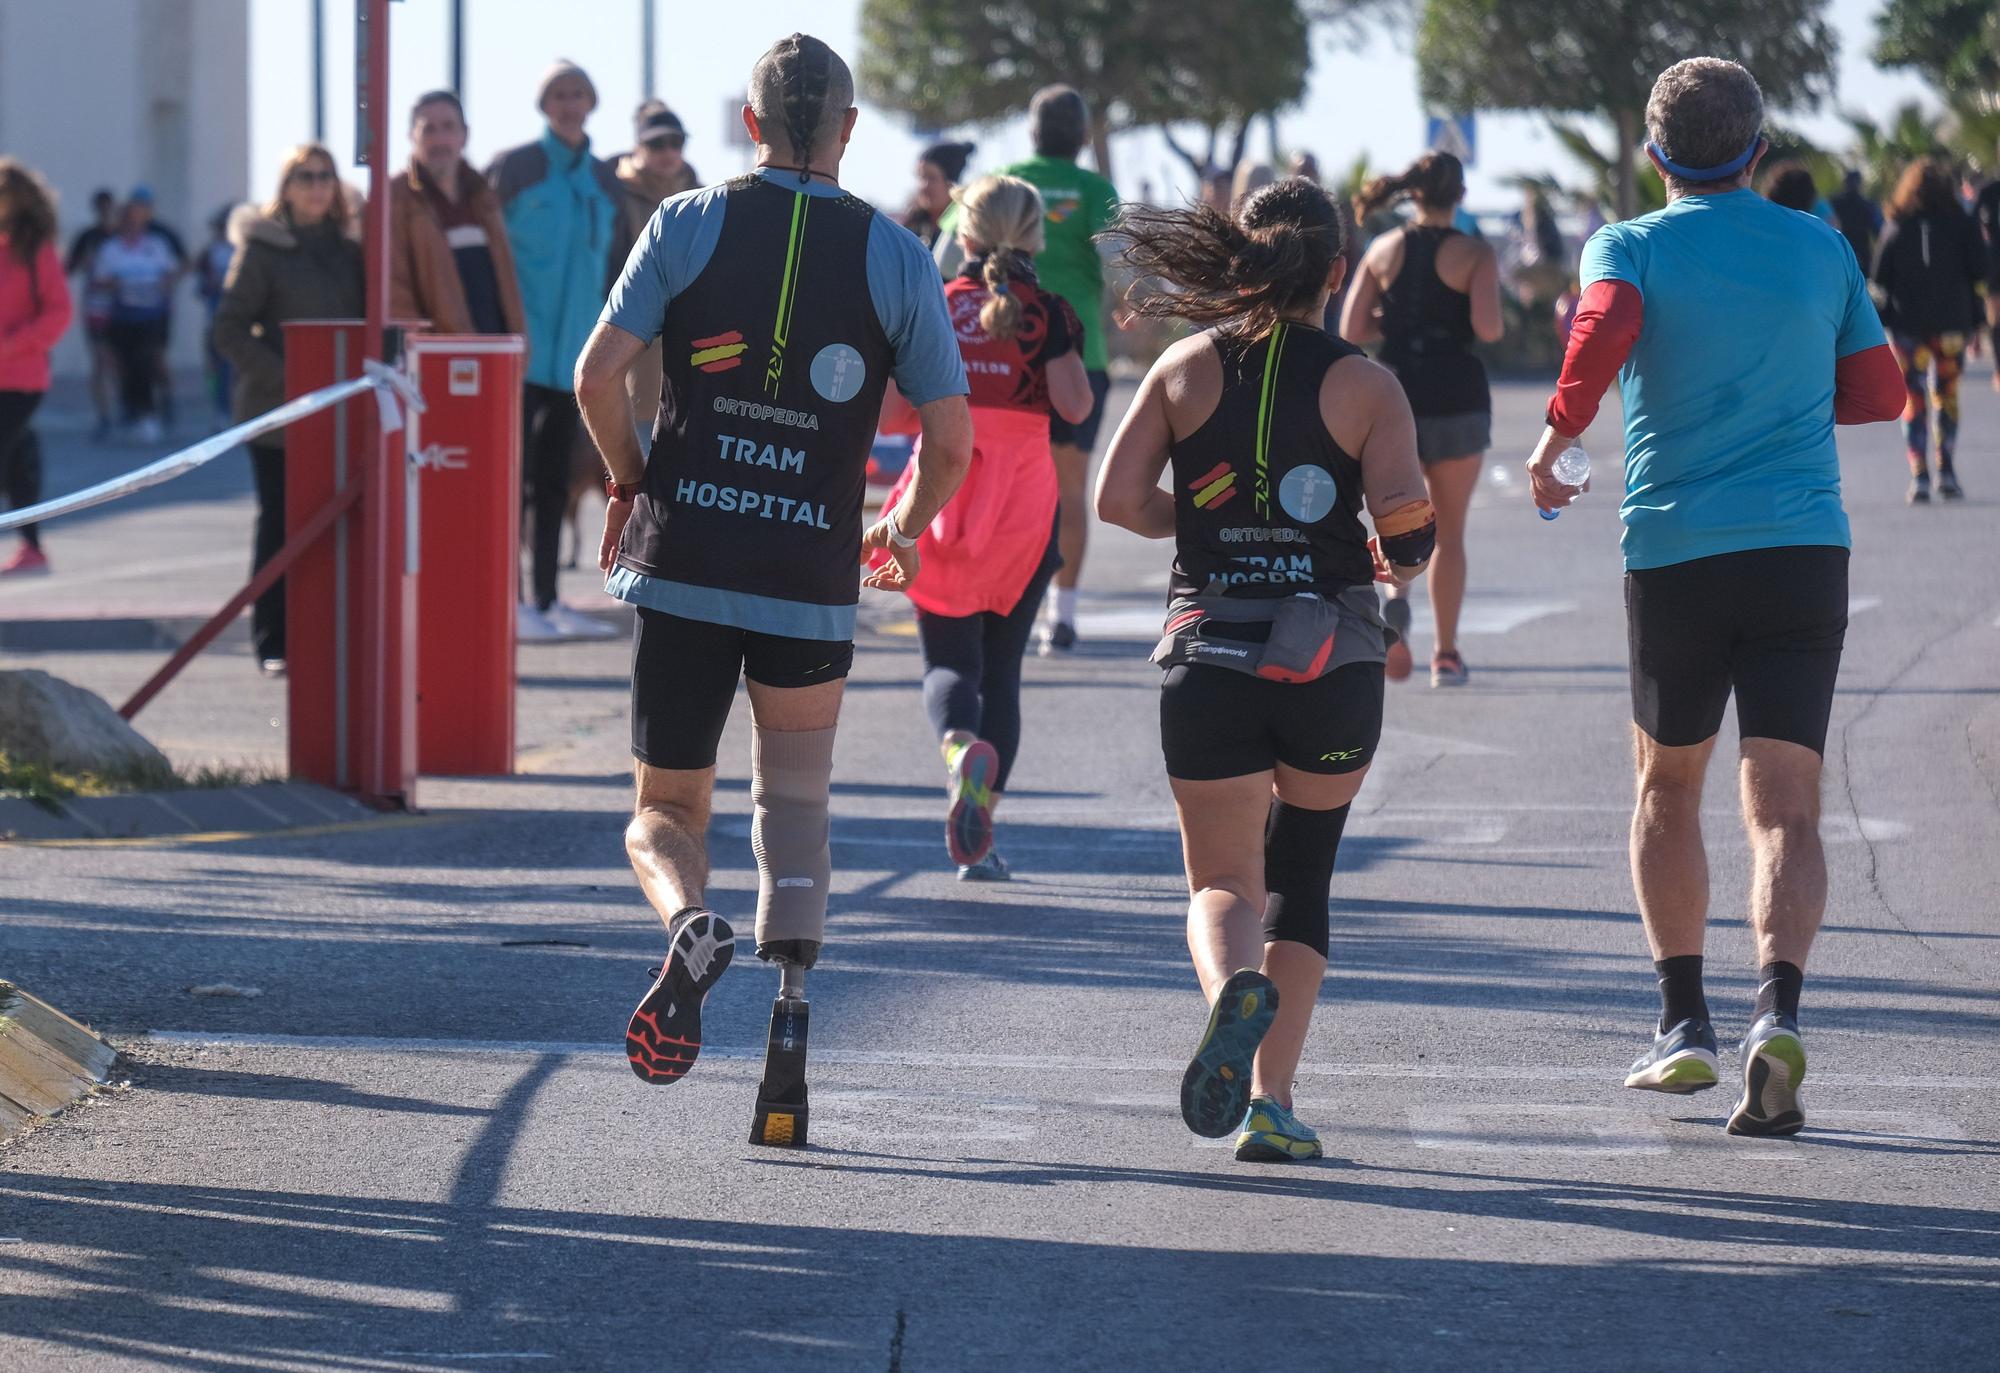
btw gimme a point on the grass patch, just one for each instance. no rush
(49, 787)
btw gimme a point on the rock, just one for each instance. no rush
(46, 720)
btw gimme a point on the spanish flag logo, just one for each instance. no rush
(1214, 487)
(720, 353)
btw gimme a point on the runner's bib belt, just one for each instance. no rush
(1281, 639)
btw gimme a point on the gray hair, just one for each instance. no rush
(801, 90)
(1704, 112)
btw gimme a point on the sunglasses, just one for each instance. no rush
(671, 140)
(313, 176)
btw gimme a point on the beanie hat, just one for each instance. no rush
(560, 68)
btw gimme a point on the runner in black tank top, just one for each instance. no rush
(1426, 291)
(785, 305)
(1273, 436)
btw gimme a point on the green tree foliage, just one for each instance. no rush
(1599, 57)
(1138, 62)
(1953, 44)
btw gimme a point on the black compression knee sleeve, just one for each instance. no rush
(1299, 848)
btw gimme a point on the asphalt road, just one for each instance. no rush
(417, 1147)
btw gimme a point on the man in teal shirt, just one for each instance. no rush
(1078, 204)
(566, 220)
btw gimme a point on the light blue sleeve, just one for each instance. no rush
(677, 243)
(1860, 324)
(1608, 257)
(908, 294)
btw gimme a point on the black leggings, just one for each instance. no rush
(550, 419)
(972, 667)
(21, 456)
(267, 615)
(136, 345)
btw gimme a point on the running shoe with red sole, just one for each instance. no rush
(664, 1036)
(968, 828)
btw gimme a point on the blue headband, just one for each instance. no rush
(1700, 174)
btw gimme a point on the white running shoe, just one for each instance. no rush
(532, 627)
(573, 624)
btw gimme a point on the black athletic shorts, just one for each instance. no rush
(1217, 723)
(1768, 623)
(684, 681)
(1083, 435)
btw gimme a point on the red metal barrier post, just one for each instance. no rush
(469, 542)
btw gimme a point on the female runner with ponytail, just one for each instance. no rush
(1424, 292)
(989, 555)
(1272, 433)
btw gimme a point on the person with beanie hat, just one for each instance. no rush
(570, 224)
(940, 168)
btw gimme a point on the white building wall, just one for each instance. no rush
(118, 92)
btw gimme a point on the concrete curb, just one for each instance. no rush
(47, 1060)
(265, 808)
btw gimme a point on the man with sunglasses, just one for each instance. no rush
(652, 172)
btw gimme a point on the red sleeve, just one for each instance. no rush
(1867, 387)
(1607, 323)
(40, 331)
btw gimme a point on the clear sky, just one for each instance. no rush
(1360, 103)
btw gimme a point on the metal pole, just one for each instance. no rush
(319, 70)
(647, 35)
(458, 48)
(386, 716)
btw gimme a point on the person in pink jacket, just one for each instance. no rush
(34, 311)
(988, 556)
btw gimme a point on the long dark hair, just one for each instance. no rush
(1274, 255)
(1436, 180)
(33, 222)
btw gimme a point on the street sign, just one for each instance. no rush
(1455, 134)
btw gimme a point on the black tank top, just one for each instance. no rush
(1265, 502)
(775, 365)
(1427, 332)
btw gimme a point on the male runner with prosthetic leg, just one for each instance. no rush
(1272, 433)
(785, 305)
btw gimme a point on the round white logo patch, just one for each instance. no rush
(1307, 493)
(837, 373)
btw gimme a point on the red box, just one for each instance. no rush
(468, 446)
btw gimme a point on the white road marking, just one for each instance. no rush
(1037, 1063)
(1505, 614)
(1520, 1128)
(1857, 604)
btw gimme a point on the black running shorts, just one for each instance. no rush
(684, 681)
(1767, 623)
(1217, 723)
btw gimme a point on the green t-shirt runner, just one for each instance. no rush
(1079, 204)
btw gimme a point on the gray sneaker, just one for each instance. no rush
(991, 868)
(1774, 1063)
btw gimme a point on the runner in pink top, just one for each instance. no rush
(989, 555)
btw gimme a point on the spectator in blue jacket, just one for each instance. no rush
(570, 229)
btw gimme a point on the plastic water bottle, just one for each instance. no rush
(1572, 469)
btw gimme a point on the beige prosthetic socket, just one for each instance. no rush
(791, 779)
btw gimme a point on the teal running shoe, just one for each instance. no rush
(1774, 1063)
(1215, 1091)
(1272, 1134)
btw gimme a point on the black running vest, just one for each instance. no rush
(1427, 332)
(775, 364)
(1265, 502)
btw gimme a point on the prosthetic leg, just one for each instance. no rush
(791, 776)
(781, 1097)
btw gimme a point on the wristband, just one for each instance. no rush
(619, 491)
(897, 536)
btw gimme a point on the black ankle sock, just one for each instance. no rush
(1778, 987)
(1680, 989)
